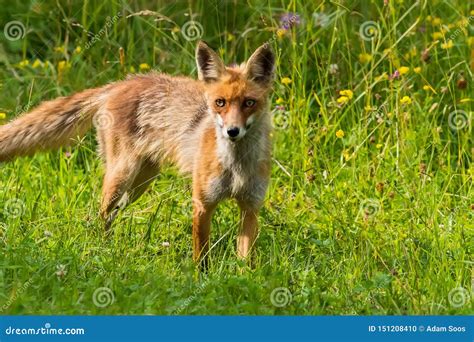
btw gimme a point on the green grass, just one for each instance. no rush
(378, 221)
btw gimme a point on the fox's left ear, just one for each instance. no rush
(260, 66)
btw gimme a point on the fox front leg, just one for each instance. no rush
(248, 230)
(202, 216)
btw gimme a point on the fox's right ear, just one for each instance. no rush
(210, 66)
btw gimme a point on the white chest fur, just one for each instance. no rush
(240, 177)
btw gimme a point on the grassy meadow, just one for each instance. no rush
(371, 203)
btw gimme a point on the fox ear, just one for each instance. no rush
(210, 66)
(260, 66)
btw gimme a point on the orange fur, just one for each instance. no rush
(146, 120)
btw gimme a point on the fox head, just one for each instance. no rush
(236, 96)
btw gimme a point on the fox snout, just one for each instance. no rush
(231, 131)
(234, 132)
(233, 126)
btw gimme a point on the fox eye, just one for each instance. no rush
(249, 103)
(220, 102)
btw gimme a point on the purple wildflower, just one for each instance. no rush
(288, 20)
(395, 75)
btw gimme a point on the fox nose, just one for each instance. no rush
(233, 132)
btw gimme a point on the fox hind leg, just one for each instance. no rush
(116, 191)
(124, 184)
(145, 176)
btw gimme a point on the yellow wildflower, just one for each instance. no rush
(63, 65)
(405, 100)
(3, 116)
(24, 63)
(347, 155)
(281, 33)
(437, 35)
(176, 29)
(144, 66)
(342, 99)
(448, 45)
(132, 69)
(340, 133)
(286, 80)
(59, 49)
(368, 108)
(280, 101)
(403, 70)
(417, 70)
(436, 21)
(427, 88)
(78, 49)
(365, 58)
(348, 93)
(37, 63)
(463, 22)
(379, 146)
(230, 37)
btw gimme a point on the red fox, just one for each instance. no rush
(217, 129)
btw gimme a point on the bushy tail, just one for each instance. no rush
(50, 125)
